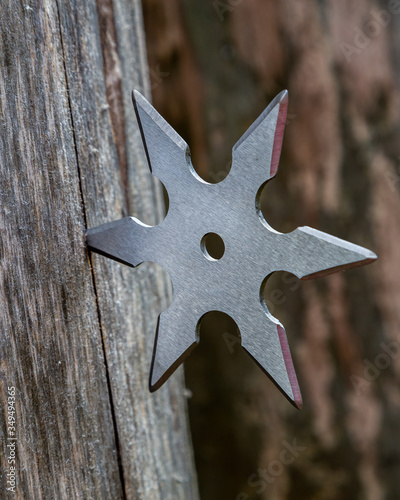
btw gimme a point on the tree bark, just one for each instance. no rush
(76, 332)
(339, 173)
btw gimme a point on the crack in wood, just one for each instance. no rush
(112, 406)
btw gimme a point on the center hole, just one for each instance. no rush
(212, 246)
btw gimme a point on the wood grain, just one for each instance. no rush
(76, 341)
(50, 338)
(158, 422)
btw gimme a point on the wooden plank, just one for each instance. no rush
(77, 344)
(151, 428)
(51, 349)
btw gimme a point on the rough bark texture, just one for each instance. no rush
(76, 334)
(223, 61)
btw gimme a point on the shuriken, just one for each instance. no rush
(253, 250)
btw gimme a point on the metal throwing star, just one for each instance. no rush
(253, 250)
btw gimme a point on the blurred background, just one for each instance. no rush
(214, 67)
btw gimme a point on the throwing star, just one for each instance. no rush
(253, 249)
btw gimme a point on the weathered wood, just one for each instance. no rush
(50, 338)
(76, 342)
(161, 417)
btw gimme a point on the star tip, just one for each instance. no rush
(136, 94)
(139, 101)
(281, 101)
(295, 396)
(283, 96)
(368, 257)
(157, 380)
(296, 400)
(154, 386)
(298, 403)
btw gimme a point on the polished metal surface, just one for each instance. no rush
(253, 250)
